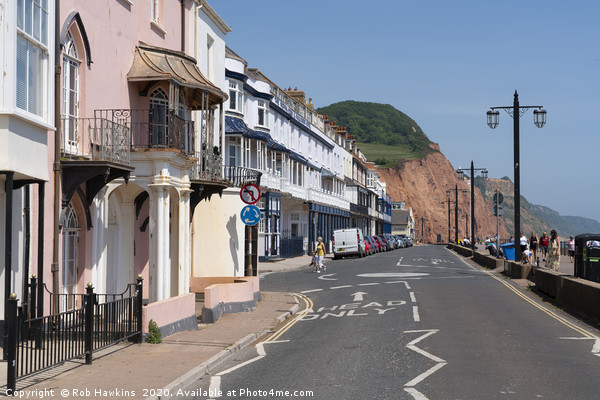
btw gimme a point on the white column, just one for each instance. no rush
(165, 244)
(184, 242)
(100, 225)
(159, 240)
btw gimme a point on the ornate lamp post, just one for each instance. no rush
(461, 174)
(539, 119)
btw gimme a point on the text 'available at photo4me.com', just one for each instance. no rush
(115, 393)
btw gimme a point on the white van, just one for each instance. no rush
(347, 242)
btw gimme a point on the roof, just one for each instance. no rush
(157, 64)
(400, 217)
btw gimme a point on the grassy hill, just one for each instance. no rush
(385, 134)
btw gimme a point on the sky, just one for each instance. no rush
(444, 64)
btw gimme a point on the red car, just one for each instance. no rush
(367, 247)
(378, 244)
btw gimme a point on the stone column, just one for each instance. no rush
(159, 242)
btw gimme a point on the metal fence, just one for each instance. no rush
(239, 176)
(35, 344)
(291, 247)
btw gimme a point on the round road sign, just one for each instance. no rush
(250, 193)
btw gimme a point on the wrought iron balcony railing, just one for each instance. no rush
(239, 176)
(155, 128)
(97, 139)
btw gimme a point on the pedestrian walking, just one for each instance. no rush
(523, 242)
(533, 244)
(544, 239)
(320, 254)
(553, 251)
(571, 245)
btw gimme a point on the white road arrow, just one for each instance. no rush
(358, 296)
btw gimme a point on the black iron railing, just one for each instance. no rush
(35, 344)
(155, 128)
(239, 176)
(97, 139)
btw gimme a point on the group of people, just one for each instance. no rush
(549, 247)
(318, 256)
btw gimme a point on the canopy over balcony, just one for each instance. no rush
(157, 64)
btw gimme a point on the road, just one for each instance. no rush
(417, 323)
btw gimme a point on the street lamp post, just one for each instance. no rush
(539, 119)
(464, 192)
(484, 174)
(448, 200)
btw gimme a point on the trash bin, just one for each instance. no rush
(587, 257)
(509, 251)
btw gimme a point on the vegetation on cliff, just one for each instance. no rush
(383, 133)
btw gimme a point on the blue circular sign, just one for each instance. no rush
(250, 215)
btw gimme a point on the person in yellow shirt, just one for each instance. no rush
(320, 254)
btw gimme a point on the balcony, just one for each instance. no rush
(94, 152)
(239, 176)
(96, 139)
(154, 129)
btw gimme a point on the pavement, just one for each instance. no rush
(151, 371)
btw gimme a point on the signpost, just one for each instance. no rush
(250, 194)
(498, 211)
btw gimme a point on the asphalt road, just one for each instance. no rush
(416, 323)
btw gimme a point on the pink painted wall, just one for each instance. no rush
(240, 291)
(168, 311)
(114, 28)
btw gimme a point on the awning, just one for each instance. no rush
(157, 64)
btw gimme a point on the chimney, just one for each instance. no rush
(297, 95)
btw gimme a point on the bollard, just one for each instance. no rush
(11, 351)
(89, 321)
(140, 298)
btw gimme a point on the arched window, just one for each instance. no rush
(70, 236)
(159, 105)
(70, 95)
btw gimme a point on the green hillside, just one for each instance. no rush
(385, 134)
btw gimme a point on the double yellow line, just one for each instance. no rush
(544, 309)
(309, 305)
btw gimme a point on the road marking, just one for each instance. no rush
(551, 313)
(415, 393)
(425, 374)
(309, 305)
(358, 296)
(341, 287)
(368, 284)
(412, 297)
(440, 363)
(405, 283)
(215, 385)
(416, 316)
(312, 290)
(325, 277)
(238, 366)
(392, 275)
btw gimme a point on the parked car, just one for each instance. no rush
(347, 242)
(368, 246)
(407, 239)
(389, 244)
(382, 242)
(376, 244)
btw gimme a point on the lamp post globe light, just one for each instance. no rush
(539, 119)
(484, 174)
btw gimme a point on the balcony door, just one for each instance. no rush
(71, 134)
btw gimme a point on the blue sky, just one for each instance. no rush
(444, 63)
